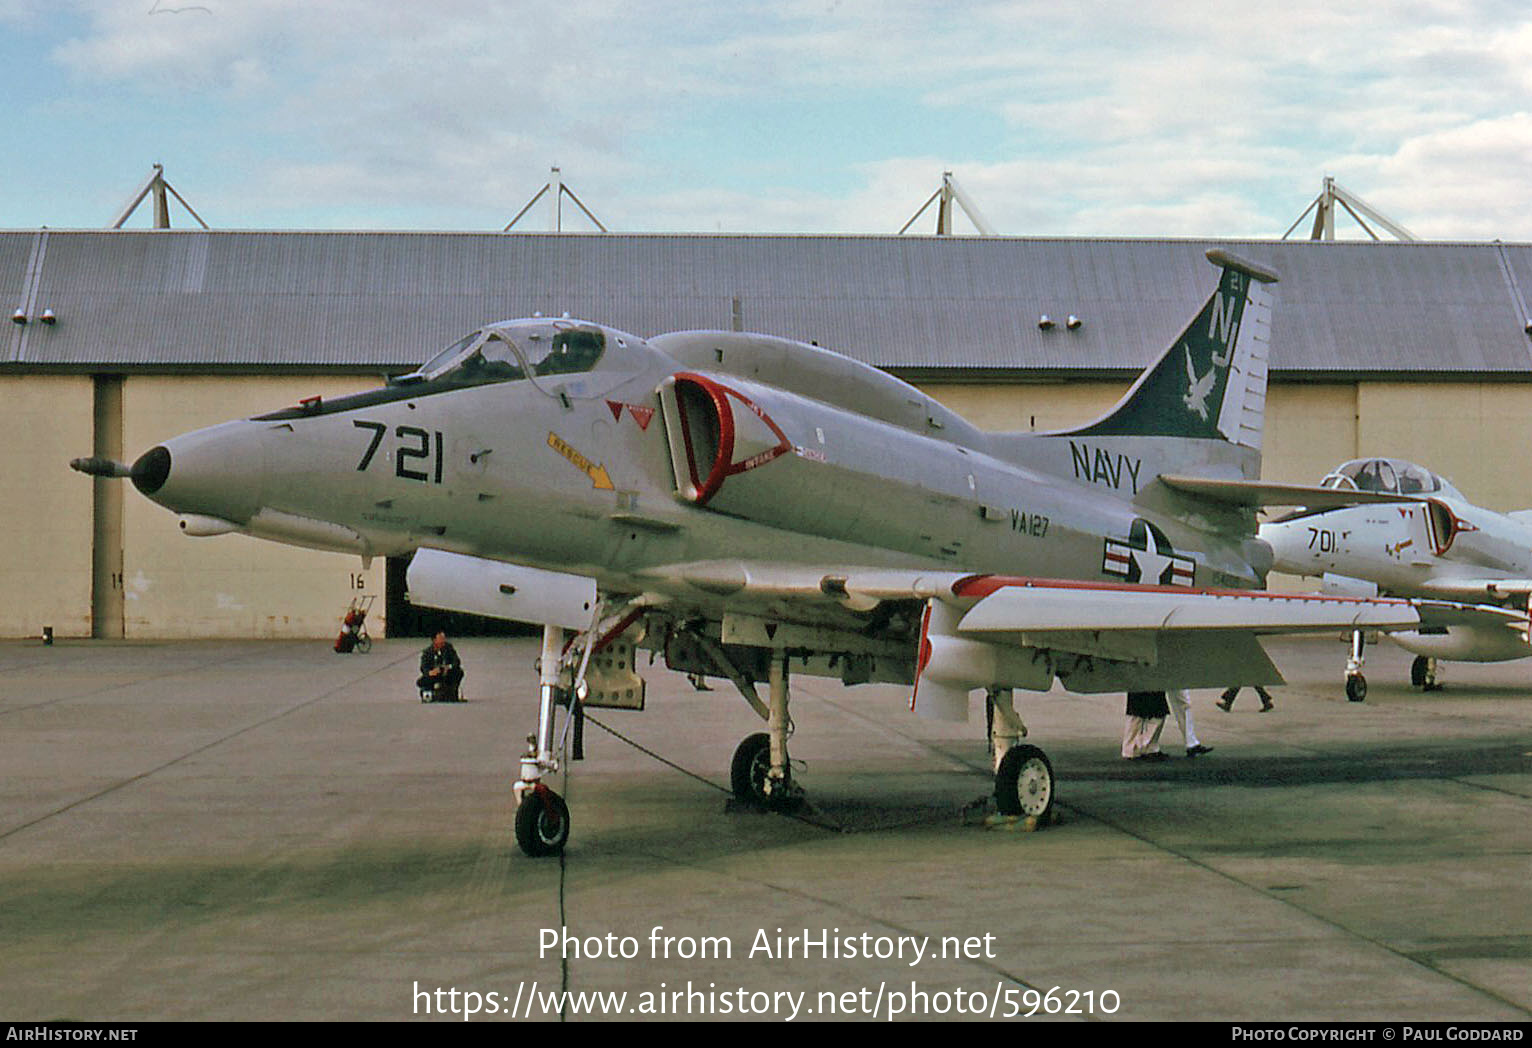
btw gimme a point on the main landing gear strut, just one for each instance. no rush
(1023, 776)
(760, 774)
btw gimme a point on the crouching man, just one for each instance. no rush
(441, 671)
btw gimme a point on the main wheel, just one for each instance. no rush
(748, 770)
(542, 823)
(363, 644)
(1024, 783)
(1356, 687)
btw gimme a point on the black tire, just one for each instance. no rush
(1356, 688)
(1418, 671)
(542, 823)
(1024, 784)
(363, 644)
(748, 771)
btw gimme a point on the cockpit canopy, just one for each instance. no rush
(1388, 476)
(513, 350)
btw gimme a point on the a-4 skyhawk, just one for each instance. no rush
(753, 507)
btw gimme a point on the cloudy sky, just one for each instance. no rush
(1092, 118)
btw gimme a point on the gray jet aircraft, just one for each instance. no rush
(753, 507)
(1419, 538)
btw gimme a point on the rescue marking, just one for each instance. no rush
(598, 475)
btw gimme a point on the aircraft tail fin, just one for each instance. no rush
(1211, 383)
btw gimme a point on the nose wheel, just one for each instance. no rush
(542, 822)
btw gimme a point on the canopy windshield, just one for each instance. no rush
(508, 352)
(1389, 477)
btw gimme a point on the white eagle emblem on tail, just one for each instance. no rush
(1198, 389)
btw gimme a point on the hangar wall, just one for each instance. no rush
(45, 572)
(1474, 434)
(226, 585)
(170, 586)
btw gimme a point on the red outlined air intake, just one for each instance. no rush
(714, 433)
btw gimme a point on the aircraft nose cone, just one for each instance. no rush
(213, 472)
(151, 470)
(1285, 549)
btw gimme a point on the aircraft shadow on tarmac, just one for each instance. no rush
(1437, 759)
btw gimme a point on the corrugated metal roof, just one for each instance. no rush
(239, 300)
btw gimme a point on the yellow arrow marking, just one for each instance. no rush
(598, 475)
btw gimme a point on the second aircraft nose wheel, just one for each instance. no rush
(1356, 687)
(1024, 784)
(542, 822)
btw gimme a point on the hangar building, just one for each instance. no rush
(122, 338)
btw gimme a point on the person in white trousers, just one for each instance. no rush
(1181, 707)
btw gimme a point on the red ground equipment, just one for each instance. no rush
(353, 627)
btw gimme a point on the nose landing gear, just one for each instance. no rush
(542, 817)
(1356, 684)
(542, 822)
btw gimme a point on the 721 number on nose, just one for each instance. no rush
(415, 446)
